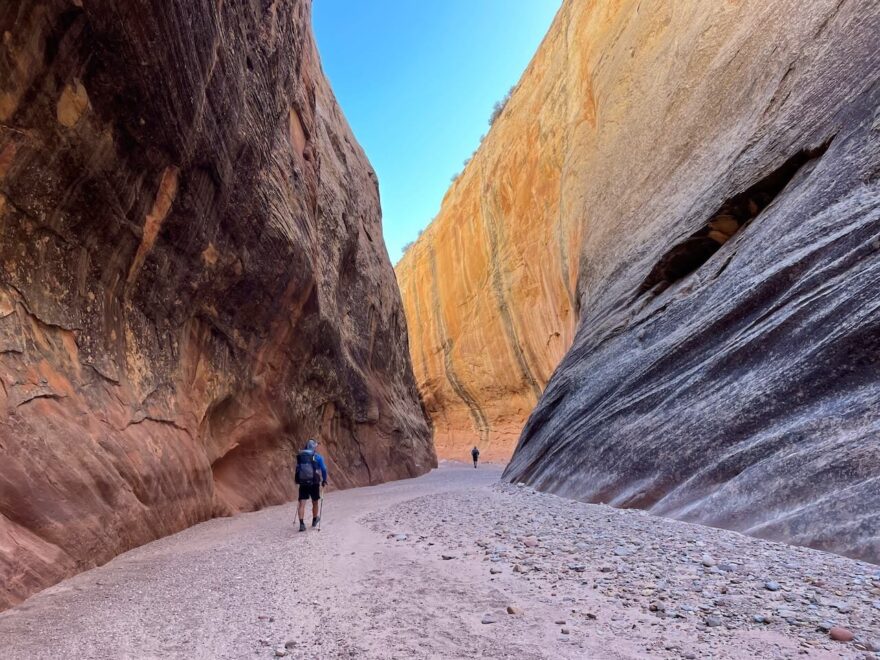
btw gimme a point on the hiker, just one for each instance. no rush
(311, 475)
(476, 454)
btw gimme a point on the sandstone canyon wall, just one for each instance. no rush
(716, 213)
(489, 287)
(193, 278)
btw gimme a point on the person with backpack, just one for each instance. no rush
(311, 476)
(476, 455)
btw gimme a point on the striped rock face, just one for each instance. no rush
(678, 211)
(489, 288)
(193, 279)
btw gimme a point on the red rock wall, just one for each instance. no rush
(193, 278)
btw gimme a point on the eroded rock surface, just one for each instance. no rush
(193, 278)
(725, 365)
(698, 184)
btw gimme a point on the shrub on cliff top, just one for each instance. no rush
(499, 106)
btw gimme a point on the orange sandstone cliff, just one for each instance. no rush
(489, 289)
(193, 279)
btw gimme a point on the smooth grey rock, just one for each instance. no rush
(695, 391)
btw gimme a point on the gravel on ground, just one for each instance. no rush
(454, 564)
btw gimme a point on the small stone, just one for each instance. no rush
(289, 644)
(400, 537)
(825, 626)
(565, 631)
(760, 618)
(530, 541)
(447, 557)
(560, 622)
(513, 609)
(771, 586)
(280, 652)
(577, 568)
(518, 569)
(689, 656)
(489, 618)
(872, 645)
(494, 570)
(840, 634)
(708, 561)
(713, 621)
(788, 615)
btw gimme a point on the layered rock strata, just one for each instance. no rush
(193, 279)
(489, 287)
(717, 206)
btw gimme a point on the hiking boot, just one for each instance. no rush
(302, 525)
(315, 521)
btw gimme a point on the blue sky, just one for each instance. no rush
(417, 80)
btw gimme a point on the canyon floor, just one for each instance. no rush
(428, 568)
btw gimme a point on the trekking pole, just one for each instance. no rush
(321, 510)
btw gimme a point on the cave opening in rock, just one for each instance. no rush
(731, 217)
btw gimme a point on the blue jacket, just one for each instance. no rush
(320, 461)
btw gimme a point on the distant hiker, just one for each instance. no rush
(476, 454)
(311, 475)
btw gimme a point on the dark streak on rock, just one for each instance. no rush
(480, 422)
(498, 289)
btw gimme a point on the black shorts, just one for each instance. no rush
(307, 491)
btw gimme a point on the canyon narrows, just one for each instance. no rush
(679, 206)
(194, 279)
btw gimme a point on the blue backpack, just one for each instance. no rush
(307, 471)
